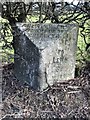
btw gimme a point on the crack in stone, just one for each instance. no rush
(46, 78)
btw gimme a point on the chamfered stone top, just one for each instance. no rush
(44, 35)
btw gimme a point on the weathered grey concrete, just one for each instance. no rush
(45, 53)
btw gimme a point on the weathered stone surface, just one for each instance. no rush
(45, 53)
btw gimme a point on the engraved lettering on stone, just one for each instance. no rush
(60, 57)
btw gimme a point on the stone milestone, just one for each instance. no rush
(45, 53)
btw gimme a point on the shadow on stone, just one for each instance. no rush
(26, 61)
